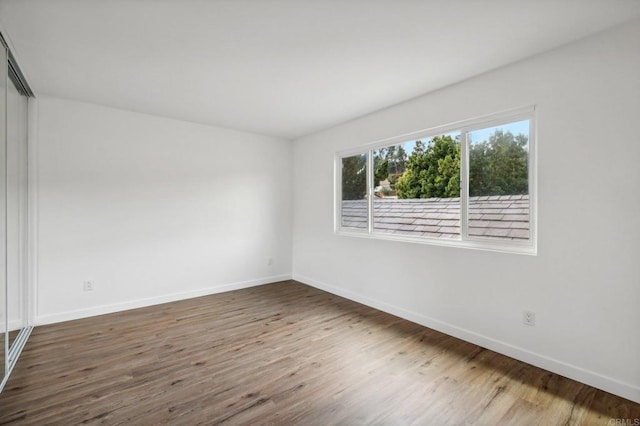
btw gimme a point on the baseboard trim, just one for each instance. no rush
(14, 325)
(157, 300)
(591, 378)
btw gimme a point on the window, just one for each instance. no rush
(470, 184)
(354, 191)
(417, 187)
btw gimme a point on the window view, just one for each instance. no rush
(354, 190)
(416, 186)
(499, 182)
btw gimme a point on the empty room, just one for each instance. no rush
(320, 212)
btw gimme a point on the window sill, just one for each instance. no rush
(512, 247)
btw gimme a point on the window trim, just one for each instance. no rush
(464, 127)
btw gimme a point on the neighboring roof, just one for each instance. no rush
(504, 216)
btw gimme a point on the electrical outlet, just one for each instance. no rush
(529, 318)
(87, 286)
(270, 261)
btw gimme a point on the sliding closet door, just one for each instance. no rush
(4, 344)
(16, 208)
(14, 329)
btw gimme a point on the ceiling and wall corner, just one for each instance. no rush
(284, 68)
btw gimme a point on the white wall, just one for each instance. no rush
(152, 209)
(584, 284)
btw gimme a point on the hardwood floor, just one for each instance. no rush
(283, 353)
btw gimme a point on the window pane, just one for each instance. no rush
(354, 190)
(417, 188)
(499, 182)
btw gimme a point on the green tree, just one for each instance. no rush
(499, 165)
(397, 157)
(389, 162)
(408, 185)
(354, 177)
(380, 166)
(432, 170)
(401, 159)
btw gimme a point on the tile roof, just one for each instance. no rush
(500, 216)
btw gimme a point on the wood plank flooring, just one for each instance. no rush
(283, 353)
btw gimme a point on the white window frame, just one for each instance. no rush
(465, 241)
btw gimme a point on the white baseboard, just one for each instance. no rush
(141, 303)
(14, 325)
(591, 378)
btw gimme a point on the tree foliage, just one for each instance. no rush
(380, 170)
(433, 170)
(389, 163)
(397, 157)
(354, 177)
(499, 166)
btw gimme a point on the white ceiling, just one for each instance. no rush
(281, 67)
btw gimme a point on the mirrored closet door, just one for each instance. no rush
(16, 209)
(4, 330)
(14, 329)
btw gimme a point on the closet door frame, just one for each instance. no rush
(21, 210)
(4, 316)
